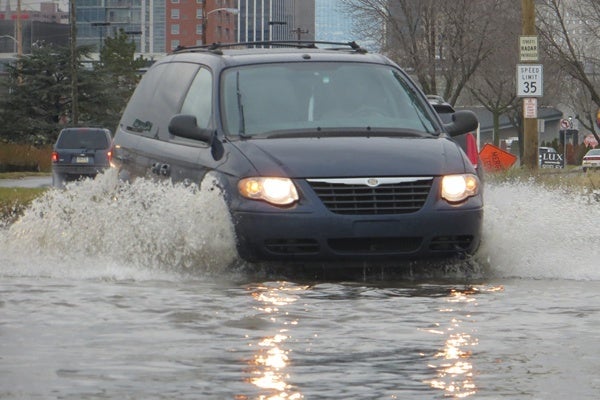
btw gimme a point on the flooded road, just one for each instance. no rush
(154, 309)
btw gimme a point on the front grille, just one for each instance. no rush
(356, 197)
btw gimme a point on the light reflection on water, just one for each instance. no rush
(453, 363)
(268, 367)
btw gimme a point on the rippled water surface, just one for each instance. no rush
(135, 293)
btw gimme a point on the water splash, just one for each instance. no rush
(531, 231)
(157, 230)
(148, 226)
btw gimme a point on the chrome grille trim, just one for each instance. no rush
(358, 196)
(364, 181)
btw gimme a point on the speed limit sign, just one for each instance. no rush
(530, 80)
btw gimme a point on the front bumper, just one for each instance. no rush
(590, 164)
(309, 232)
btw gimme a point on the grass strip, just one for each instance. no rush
(13, 201)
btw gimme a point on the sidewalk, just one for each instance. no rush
(28, 182)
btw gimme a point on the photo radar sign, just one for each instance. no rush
(528, 48)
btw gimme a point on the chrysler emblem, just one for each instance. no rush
(372, 182)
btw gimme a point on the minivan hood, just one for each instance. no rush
(352, 156)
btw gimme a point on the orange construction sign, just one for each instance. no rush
(495, 159)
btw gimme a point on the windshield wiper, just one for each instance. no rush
(242, 130)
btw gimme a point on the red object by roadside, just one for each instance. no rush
(472, 152)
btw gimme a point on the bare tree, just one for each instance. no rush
(570, 33)
(442, 43)
(493, 84)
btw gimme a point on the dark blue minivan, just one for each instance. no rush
(322, 154)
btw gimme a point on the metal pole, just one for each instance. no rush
(143, 27)
(239, 22)
(151, 27)
(19, 31)
(565, 149)
(74, 94)
(530, 125)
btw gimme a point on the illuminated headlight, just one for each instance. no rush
(456, 188)
(278, 191)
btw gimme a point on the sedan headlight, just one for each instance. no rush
(456, 188)
(278, 191)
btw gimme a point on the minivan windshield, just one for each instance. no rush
(316, 96)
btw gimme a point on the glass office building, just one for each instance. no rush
(261, 20)
(333, 24)
(330, 22)
(143, 20)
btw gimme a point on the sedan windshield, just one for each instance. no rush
(315, 96)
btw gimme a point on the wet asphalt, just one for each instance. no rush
(28, 182)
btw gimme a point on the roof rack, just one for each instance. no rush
(300, 44)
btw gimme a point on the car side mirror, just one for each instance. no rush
(185, 126)
(463, 121)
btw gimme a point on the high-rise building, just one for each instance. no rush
(143, 20)
(262, 20)
(334, 24)
(159, 26)
(331, 24)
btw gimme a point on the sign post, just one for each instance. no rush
(529, 81)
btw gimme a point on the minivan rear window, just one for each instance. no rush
(83, 139)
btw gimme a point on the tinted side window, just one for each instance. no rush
(157, 98)
(198, 101)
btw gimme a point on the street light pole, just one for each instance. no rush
(13, 39)
(74, 93)
(102, 33)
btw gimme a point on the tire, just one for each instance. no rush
(58, 180)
